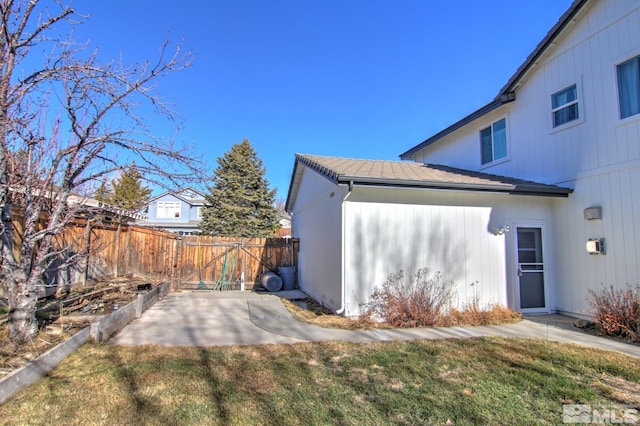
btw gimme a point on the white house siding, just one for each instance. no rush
(606, 34)
(388, 230)
(598, 155)
(618, 193)
(317, 215)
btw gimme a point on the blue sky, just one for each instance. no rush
(348, 78)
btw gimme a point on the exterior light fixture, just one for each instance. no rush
(502, 229)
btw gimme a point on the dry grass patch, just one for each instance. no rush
(466, 381)
(312, 312)
(473, 314)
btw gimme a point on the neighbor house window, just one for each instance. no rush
(564, 105)
(493, 141)
(168, 209)
(629, 87)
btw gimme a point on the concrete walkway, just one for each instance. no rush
(248, 318)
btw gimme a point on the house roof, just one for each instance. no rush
(410, 174)
(507, 93)
(178, 194)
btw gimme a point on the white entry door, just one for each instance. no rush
(531, 270)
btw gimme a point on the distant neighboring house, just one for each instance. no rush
(531, 201)
(285, 225)
(175, 211)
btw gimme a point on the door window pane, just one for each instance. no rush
(532, 290)
(529, 245)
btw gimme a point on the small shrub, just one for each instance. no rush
(427, 301)
(617, 312)
(422, 302)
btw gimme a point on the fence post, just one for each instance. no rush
(87, 245)
(95, 332)
(117, 259)
(139, 305)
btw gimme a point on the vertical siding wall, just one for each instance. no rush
(618, 193)
(451, 232)
(607, 34)
(317, 222)
(598, 155)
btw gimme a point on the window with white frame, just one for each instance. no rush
(564, 106)
(169, 209)
(493, 142)
(199, 212)
(629, 87)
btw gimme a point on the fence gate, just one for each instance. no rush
(217, 263)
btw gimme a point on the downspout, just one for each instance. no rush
(342, 242)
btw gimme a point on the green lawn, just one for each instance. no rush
(466, 381)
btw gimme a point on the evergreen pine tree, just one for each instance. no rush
(128, 192)
(240, 203)
(103, 193)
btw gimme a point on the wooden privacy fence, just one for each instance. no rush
(219, 263)
(121, 249)
(111, 250)
(200, 262)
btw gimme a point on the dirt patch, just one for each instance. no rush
(622, 390)
(64, 314)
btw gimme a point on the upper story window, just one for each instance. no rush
(168, 209)
(629, 87)
(564, 106)
(199, 212)
(493, 142)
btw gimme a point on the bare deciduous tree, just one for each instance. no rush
(65, 124)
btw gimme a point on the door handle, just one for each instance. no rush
(519, 271)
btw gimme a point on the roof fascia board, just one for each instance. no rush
(522, 189)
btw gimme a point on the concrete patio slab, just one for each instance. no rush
(199, 319)
(204, 318)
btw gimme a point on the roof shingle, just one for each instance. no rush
(415, 174)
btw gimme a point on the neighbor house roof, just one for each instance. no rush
(507, 93)
(178, 194)
(411, 174)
